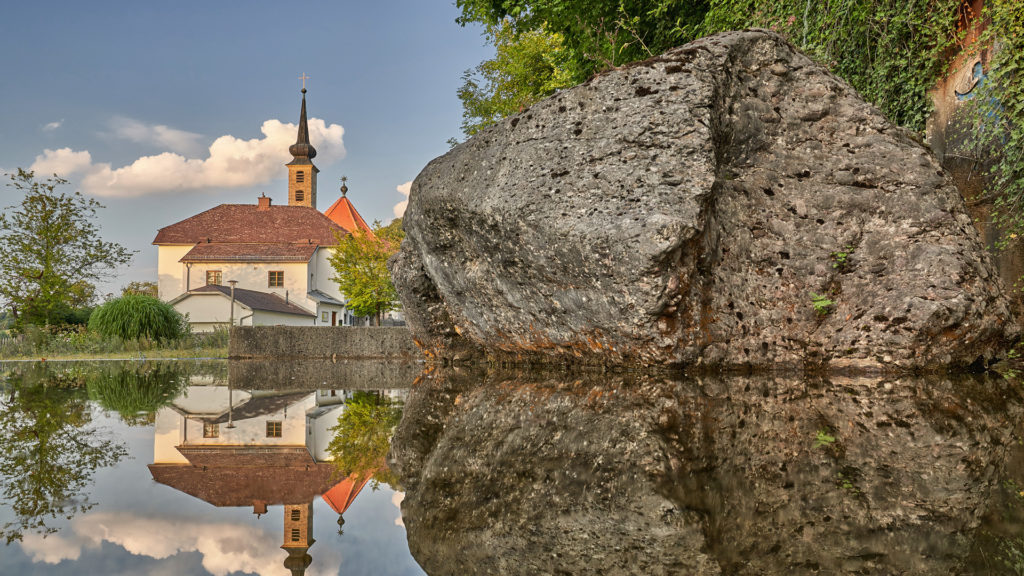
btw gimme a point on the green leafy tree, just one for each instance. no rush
(362, 437)
(891, 51)
(527, 68)
(360, 268)
(140, 287)
(597, 34)
(135, 316)
(50, 250)
(49, 449)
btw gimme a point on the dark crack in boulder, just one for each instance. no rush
(729, 203)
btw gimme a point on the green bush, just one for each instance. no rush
(135, 316)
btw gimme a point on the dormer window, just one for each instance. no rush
(299, 196)
(300, 176)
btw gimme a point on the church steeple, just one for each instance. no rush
(301, 171)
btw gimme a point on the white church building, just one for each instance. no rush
(260, 264)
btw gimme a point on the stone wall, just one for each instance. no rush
(323, 342)
(277, 374)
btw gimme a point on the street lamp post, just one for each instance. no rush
(232, 283)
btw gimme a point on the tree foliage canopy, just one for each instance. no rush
(362, 437)
(140, 287)
(360, 268)
(51, 250)
(49, 449)
(527, 67)
(891, 51)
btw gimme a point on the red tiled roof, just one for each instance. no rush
(265, 252)
(229, 485)
(344, 214)
(248, 223)
(253, 299)
(341, 496)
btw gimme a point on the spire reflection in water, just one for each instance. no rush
(257, 448)
(511, 473)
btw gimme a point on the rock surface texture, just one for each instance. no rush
(687, 210)
(634, 474)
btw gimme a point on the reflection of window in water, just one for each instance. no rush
(295, 534)
(273, 428)
(211, 430)
(296, 515)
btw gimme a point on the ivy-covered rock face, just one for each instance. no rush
(729, 203)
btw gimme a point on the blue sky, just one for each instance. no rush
(126, 98)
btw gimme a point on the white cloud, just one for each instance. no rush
(62, 162)
(51, 549)
(396, 499)
(226, 548)
(232, 162)
(157, 135)
(53, 125)
(404, 189)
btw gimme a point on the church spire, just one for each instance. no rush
(302, 149)
(301, 171)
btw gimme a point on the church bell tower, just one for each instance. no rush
(301, 171)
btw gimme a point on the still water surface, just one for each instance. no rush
(161, 469)
(206, 468)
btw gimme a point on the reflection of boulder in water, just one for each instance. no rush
(733, 475)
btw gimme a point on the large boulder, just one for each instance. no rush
(727, 203)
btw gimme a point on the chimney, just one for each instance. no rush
(263, 202)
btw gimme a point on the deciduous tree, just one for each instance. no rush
(140, 287)
(360, 269)
(49, 450)
(51, 250)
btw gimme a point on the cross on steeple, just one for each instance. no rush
(304, 78)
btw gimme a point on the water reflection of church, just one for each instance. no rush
(245, 448)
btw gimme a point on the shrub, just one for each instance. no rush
(135, 316)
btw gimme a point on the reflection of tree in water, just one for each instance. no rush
(362, 437)
(136, 393)
(49, 450)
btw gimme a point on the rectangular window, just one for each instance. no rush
(275, 279)
(300, 196)
(296, 515)
(295, 534)
(300, 176)
(325, 317)
(211, 430)
(213, 277)
(273, 428)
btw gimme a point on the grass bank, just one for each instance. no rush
(80, 344)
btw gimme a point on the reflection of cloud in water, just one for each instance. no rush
(226, 548)
(51, 549)
(396, 499)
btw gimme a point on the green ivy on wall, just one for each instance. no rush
(997, 111)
